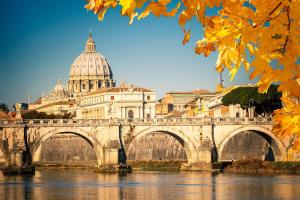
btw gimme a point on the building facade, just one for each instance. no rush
(215, 108)
(91, 92)
(183, 104)
(122, 102)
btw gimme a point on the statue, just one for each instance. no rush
(18, 107)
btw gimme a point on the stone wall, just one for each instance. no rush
(73, 149)
(67, 148)
(157, 146)
(2, 160)
(247, 145)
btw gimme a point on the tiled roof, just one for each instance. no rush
(198, 91)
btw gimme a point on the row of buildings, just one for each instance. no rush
(92, 93)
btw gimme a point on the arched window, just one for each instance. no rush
(130, 114)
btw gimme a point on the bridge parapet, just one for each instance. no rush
(153, 121)
(243, 121)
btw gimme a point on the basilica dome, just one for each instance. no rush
(90, 71)
(90, 63)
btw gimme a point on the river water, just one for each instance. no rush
(85, 184)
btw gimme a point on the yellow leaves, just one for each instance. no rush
(157, 9)
(204, 47)
(251, 49)
(229, 58)
(127, 6)
(100, 7)
(183, 17)
(187, 35)
(132, 16)
(254, 36)
(259, 64)
(101, 14)
(287, 119)
(233, 72)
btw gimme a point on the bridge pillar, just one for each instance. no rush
(15, 150)
(111, 157)
(111, 162)
(37, 154)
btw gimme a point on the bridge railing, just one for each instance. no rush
(149, 121)
(246, 120)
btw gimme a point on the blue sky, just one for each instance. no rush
(40, 40)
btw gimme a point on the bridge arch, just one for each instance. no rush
(186, 141)
(90, 138)
(275, 143)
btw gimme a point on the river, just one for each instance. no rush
(145, 185)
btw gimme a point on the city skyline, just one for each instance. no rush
(38, 51)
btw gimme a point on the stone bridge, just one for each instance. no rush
(205, 140)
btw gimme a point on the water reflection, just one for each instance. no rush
(85, 184)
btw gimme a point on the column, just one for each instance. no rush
(87, 85)
(139, 108)
(121, 113)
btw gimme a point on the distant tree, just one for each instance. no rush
(33, 114)
(4, 107)
(249, 97)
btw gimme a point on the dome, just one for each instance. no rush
(90, 71)
(59, 87)
(90, 64)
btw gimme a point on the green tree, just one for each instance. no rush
(4, 107)
(249, 97)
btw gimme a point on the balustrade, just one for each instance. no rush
(148, 121)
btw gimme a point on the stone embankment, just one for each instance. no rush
(262, 167)
(156, 165)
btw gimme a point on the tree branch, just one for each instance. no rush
(288, 28)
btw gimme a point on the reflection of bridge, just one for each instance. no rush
(204, 139)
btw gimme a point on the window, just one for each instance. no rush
(130, 114)
(148, 97)
(112, 97)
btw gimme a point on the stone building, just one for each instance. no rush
(58, 101)
(181, 102)
(124, 101)
(91, 92)
(215, 108)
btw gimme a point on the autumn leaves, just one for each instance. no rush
(261, 36)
